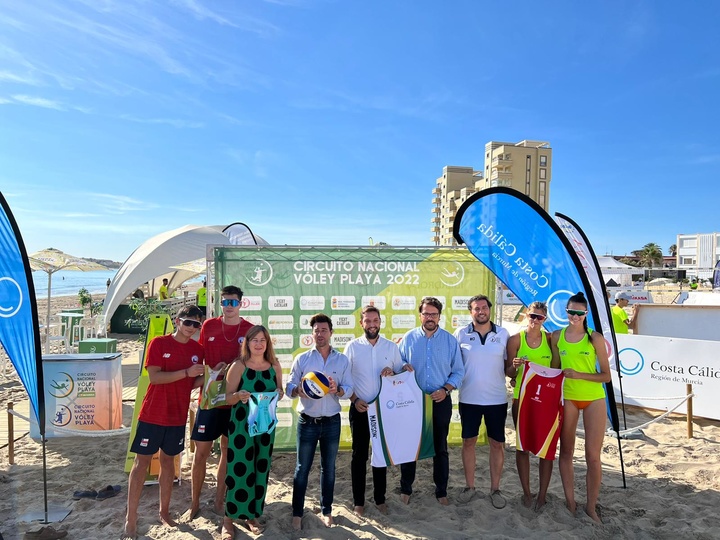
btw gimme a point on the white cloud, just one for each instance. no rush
(174, 122)
(38, 102)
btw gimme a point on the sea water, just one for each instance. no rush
(68, 282)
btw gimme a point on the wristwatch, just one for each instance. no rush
(447, 392)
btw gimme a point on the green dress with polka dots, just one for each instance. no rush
(249, 458)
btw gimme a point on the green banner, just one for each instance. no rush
(284, 286)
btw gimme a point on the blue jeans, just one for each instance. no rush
(327, 433)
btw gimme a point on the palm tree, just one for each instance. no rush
(672, 250)
(650, 255)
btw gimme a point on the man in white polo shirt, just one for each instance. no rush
(371, 356)
(483, 394)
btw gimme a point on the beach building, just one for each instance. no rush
(525, 166)
(698, 254)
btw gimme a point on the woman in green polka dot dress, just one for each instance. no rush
(249, 458)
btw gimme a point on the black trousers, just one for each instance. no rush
(358, 464)
(442, 413)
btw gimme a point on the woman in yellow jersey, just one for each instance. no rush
(532, 344)
(584, 361)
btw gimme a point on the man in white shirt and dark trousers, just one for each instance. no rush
(319, 420)
(371, 356)
(483, 394)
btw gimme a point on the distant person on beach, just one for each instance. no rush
(174, 365)
(483, 395)
(621, 321)
(202, 299)
(584, 361)
(108, 283)
(435, 356)
(532, 344)
(163, 291)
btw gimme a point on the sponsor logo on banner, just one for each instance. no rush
(253, 319)
(397, 338)
(631, 361)
(377, 301)
(340, 340)
(62, 386)
(282, 341)
(343, 302)
(403, 302)
(252, 303)
(281, 322)
(262, 273)
(13, 293)
(452, 274)
(305, 322)
(62, 416)
(285, 360)
(460, 321)
(285, 419)
(343, 321)
(306, 341)
(316, 303)
(280, 303)
(460, 302)
(404, 321)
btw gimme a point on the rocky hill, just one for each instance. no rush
(112, 265)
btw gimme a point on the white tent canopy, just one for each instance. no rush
(619, 272)
(156, 258)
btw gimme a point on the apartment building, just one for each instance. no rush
(698, 254)
(525, 166)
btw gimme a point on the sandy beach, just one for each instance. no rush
(672, 489)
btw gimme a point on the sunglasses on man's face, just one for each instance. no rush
(537, 316)
(191, 322)
(578, 312)
(227, 302)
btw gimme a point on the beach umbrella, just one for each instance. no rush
(53, 260)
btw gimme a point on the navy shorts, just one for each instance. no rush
(210, 424)
(472, 415)
(149, 438)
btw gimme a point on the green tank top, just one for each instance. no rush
(581, 357)
(542, 356)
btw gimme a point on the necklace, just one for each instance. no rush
(233, 338)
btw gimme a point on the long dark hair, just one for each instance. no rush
(579, 298)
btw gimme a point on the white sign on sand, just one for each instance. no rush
(661, 367)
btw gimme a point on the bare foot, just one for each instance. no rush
(593, 515)
(254, 526)
(296, 523)
(190, 514)
(405, 498)
(130, 531)
(327, 520)
(443, 501)
(382, 508)
(527, 500)
(359, 510)
(228, 532)
(539, 503)
(166, 520)
(572, 507)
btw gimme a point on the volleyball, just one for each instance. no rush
(315, 384)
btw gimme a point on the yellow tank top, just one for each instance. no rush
(581, 357)
(542, 356)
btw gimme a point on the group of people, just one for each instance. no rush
(475, 362)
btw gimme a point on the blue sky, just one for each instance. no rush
(328, 121)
